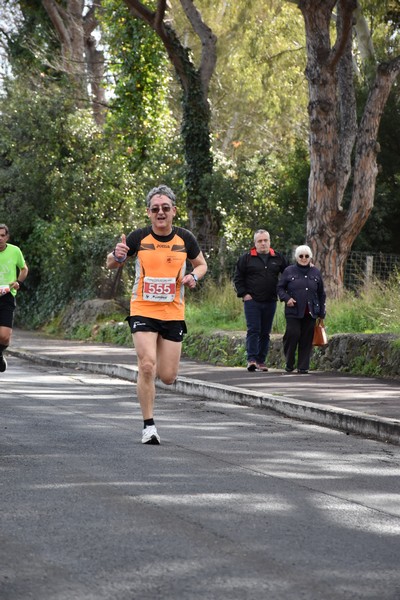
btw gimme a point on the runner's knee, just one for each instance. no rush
(5, 338)
(167, 373)
(147, 368)
(168, 379)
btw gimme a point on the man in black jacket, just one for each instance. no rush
(255, 280)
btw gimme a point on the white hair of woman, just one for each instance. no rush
(302, 250)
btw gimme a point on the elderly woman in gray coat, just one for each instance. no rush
(302, 290)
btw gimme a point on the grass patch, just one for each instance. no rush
(375, 309)
(113, 333)
(217, 308)
(218, 349)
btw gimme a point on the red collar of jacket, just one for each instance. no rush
(253, 252)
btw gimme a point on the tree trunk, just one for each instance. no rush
(95, 64)
(195, 130)
(339, 148)
(80, 59)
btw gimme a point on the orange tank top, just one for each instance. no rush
(159, 269)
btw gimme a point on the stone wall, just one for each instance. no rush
(370, 354)
(88, 312)
(376, 355)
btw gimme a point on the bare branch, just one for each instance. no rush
(365, 44)
(90, 20)
(160, 14)
(208, 41)
(347, 118)
(142, 12)
(57, 15)
(346, 8)
(176, 52)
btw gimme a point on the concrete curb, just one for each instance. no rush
(348, 421)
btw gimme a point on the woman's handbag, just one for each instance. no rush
(320, 338)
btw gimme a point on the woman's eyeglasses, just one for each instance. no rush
(304, 256)
(165, 208)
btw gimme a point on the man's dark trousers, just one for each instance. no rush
(259, 319)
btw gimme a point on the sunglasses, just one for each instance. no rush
(304, 256)
(164, 208)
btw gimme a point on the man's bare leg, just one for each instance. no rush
(145, 343)
(168, 357)
(5, 336)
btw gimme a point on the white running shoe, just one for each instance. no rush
(150, 435)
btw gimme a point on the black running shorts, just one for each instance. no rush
(7, 307)
(169, 330)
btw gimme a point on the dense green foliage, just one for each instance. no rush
(254, 109)
(138, 111)
(65, 192)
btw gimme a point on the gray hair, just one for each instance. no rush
(2, 226)
(302, 250)
(258, 233)
(161, 189)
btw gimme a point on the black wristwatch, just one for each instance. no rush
(194, 277)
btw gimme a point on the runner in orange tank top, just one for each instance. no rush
(157, 310)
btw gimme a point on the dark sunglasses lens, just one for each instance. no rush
(304, 256)
(156, 209)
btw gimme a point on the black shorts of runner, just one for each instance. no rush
(7, 307)
(169, 330)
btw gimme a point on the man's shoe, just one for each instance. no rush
(262, 367)
(289, 370)
(251, 365)
(302, 371)
(3, 364)
(150, 435)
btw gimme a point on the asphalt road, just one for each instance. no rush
(357, 405)
(237, 503)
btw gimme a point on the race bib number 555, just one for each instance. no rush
(159, 289)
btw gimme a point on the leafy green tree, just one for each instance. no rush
(380, 233)
(61, 182)
(264, 191)
(258, 93)
(58, 38)
(343, 150)
(25, 35)
(139, 80)
(195, 130)
(80, 58)
(383, 19)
